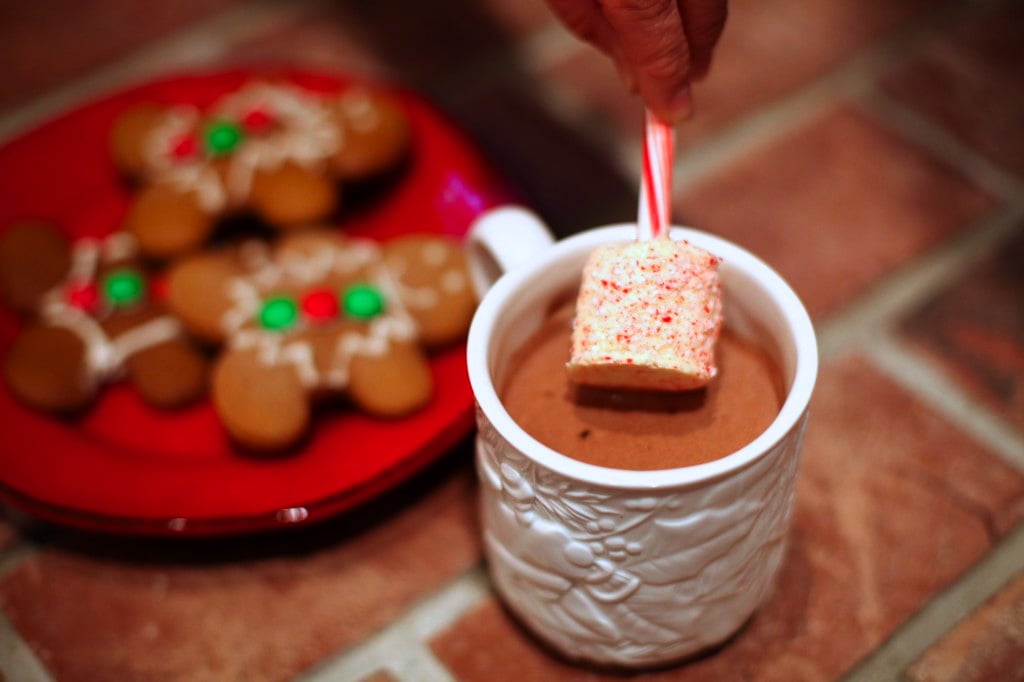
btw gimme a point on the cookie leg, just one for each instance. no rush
(168, 223)
(46, 369)
(293, 195)
(263, 407)
(168, 375)
(393, 384)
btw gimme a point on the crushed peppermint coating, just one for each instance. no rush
(647, 317)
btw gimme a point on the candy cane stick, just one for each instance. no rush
(656, 182)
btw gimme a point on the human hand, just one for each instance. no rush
(658, 46)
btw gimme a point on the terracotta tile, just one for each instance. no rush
(322, 39)
(769, 48)
(89, 34)
(256, 608)
(972, 83)
(589, 76)
(834, 206)
(430, 47)
(519, 18)
(562, 176)
(987, 645)
(424, 42)
(975, 330)
(892, 505)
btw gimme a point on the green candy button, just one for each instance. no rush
(222, 137)
(363, 301)
(123, 287)
(279, 313)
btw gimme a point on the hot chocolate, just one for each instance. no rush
(640, 430)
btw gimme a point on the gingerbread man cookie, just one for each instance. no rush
(275, 150)
(94, 320)
(321, 315)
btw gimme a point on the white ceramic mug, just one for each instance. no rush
(632, 568)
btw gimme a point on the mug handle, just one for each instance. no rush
(503, 239)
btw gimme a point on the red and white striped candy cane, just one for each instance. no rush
(656, 184)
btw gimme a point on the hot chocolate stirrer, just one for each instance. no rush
(649, 311)
(656, 181)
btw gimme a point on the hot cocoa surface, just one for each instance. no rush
(638, 430)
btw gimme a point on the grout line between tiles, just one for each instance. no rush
(17, 660)
(194, 46)
(942, 613)
(769, 122)
(944, 396)
(913, 126)
(400, 647)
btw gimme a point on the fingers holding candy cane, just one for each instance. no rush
(659, 46)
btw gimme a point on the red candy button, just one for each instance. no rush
(257, 120)
(320, 305)
(159, 287)
(82, 295)
(185, 147)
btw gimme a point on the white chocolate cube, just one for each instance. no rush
(647, 317)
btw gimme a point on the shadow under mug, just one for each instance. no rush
(629, 568)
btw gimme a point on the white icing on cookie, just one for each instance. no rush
(101, 362)
(196, 176)
(85, 258)
(300, 356)
(148, 334)
(358, 107)
(104, 356)
(297, 267)
(119, 246)
(302, 131)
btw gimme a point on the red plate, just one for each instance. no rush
(123, 467)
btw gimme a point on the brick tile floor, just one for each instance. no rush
(988, 645)
(975, 329)
(48, 42)
(262, 609)
(840, 200)
(318, 40)
(971, 84)
(902, 502)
